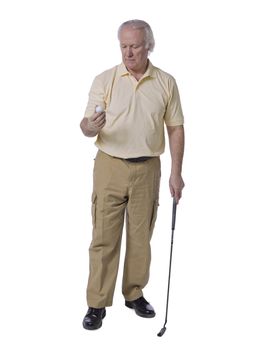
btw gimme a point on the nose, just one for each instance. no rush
(129, 52)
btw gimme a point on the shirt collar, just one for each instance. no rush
(150, 72)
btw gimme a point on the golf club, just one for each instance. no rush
(162, 331)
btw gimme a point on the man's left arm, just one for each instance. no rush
(176, 145)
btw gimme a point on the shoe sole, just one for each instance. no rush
(130, 306)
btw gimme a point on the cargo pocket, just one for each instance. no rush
(154, 215)
(93, 209)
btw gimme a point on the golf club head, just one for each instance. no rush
(161, 332)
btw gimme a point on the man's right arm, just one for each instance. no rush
(92, 126)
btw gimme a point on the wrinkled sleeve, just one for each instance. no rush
(173, 115)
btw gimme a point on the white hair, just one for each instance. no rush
(139, 24)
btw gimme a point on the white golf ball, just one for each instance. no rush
(99, 109)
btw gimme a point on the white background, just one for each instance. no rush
(50, 52)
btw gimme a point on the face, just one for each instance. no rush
(134, 53)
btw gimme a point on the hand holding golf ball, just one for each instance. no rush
(97, 121)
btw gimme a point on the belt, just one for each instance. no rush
(138, 160)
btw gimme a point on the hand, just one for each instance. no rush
(176, 185)
(91, 126)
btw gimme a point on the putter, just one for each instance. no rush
(162, 331)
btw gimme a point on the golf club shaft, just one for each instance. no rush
(171, 254)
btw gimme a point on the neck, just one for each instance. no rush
(139, 73)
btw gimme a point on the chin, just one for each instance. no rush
(131, 64)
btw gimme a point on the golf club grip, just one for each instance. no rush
(174, 214)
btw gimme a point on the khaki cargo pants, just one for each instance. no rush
(121, 189)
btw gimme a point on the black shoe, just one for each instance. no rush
(93, 318)
(142, 307)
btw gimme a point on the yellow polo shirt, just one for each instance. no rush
(136, 111)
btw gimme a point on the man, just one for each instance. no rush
(138, 100)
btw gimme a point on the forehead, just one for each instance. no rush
(131, 35)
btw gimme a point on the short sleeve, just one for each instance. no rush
(96, 97)
(173, 115)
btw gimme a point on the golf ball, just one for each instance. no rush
(99, 109)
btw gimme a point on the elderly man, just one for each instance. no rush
(137, 100)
